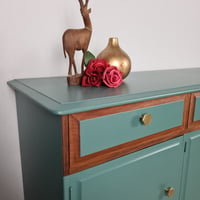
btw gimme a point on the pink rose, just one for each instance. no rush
(112, 77)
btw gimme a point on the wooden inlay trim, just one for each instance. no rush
(65, 144)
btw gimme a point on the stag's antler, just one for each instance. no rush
(82, 4)
(86, 2)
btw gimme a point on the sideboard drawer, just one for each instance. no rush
(194, 116)
(110, 130)
(197, 109)
(100, 135)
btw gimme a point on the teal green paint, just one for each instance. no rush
(67, 188)
(191, 174)
(41, 151)
(56, 96)
(197, 109)
(103, 132)
(141, 175)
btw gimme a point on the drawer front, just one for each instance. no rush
(104, 132)
(97, 136)
(194, 116)
(197, 109)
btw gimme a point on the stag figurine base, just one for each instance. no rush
(74, 79)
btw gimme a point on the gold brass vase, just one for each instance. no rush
(115, 56)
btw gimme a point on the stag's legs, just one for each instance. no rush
(71, 63)
(74, 65)
(83, 60)
(70, 66)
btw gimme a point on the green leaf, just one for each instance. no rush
(88, 57)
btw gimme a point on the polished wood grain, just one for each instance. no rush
(65, 144)
(77, 163)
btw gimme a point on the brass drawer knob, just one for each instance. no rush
(146, 119)
(170, 191)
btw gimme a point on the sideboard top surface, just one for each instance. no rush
(55, 95)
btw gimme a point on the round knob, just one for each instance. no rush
(170, 191)
(146, 119)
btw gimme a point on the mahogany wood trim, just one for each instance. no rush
(126, 107)
(186, 110)
(78, 163)
(115, 152)
(193, 125)
(65, 144)
(192, 107)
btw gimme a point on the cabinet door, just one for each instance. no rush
(143, 175)
(191, 189)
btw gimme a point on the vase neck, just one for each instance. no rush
(113, 42)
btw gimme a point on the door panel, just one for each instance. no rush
(191, 189)
(143, 175)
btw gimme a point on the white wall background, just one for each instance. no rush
(157, 34)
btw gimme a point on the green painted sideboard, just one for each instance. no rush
(138, 141)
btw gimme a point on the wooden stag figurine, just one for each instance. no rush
(77, 39)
